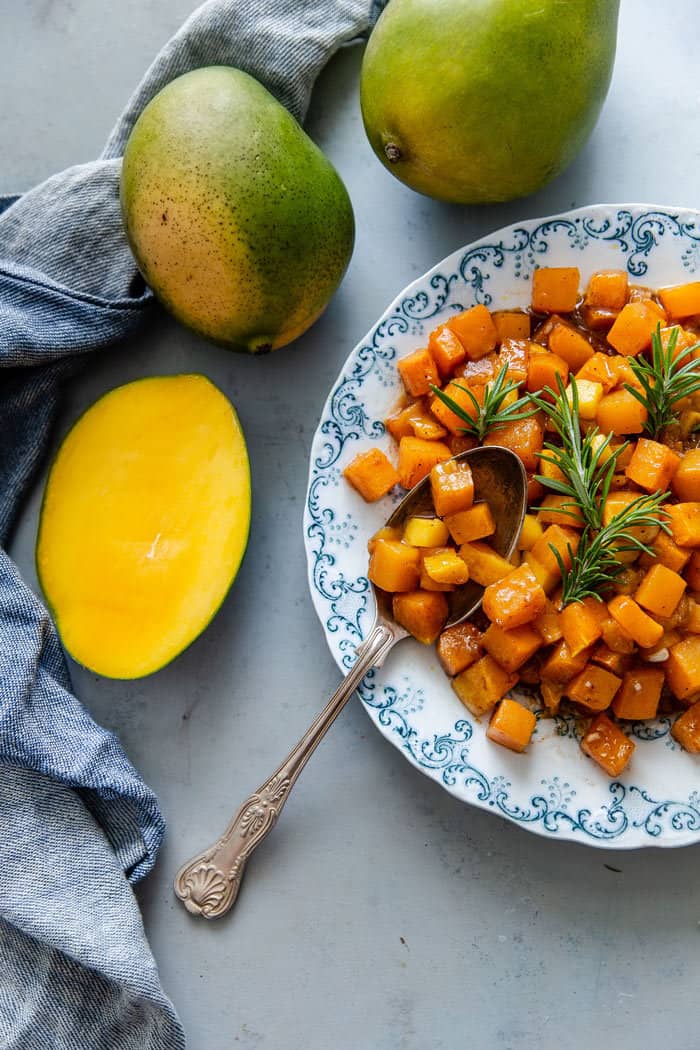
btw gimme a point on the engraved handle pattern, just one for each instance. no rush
(209, 883)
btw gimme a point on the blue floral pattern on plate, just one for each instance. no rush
(553, 789)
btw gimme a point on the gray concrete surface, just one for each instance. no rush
(382, 914)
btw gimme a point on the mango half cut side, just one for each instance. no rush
(144, 523)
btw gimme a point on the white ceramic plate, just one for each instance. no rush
(553, 789)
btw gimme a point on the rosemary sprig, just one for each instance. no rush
(594, 565)
(492, 414)
(587, 463)
(666, 379)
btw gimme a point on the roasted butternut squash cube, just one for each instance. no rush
(464, 397)
(547, 578)
(484, 564)
(460, 443)
(425, 532)
(482, 685)
(616, 502)
(418, 372)
(511, 725)
(371, 474)
(480, 372)
(607, 745)
(652, 465)
(399, 422)
(511, 648)
(446, 350)
(692, 621)
(472, 524)
(686, 480)
(611, 661)
(666, 552)
(515, 600)
(547, 623)
(681, 300)
(475, 330)
(394, 566)
(387, 532)
(593, 688)
(607, 289)
(597, 370)
(620, 413)
(557, 538)
(581, 624)
(417, 458)
(515, 355)
(632, 618)
(511, 324)
(423, 424)
(559, 510)
(458, 647)
(426, 582)
(555, 289)
(589, 396)
(632, 330)
(530, 533)
(446, 566)
(692, 572)
(570, 344)
(616, 637)
(638, 696)
(452, 487)
(686, 729)
(683, 668)
(561, 665)
(660, 591)
(542, 371)
(522, 436)
(684, 522)
(422, 613)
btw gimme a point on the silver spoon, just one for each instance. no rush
(209, 883)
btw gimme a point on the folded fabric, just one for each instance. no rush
(76, 816)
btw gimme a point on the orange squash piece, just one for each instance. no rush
(542, 371)
(478, 373)
(692, 572)
(581, 624)
(555, 289)
(472, 524)
(686, 480)
(511, 725)
(686, 729)
(569, 344)
(667, 553)
(660, 591)
(559, 510)
(475, 330)
(446, 566)
(681, 300)
(561, 665)
(426, 582)
(484, 564)
(620, 413)
(387, 532)
(547, 578)
(522, 436)
(418, 372)
(371, 474)
(616, 637)
(547, 623)
(482, 685)
(652, 465)
(417, 457)
(399, 422)
(607, 745)
(515, 355)
(639, 694)
(564, 540)
(617, 502)
(516, 599)
(611, 661)
(684, 522)
(460, 443)
(683, 668)
(622, 370)
(597, 370)
(422, 613)
(460, 394)
(394, 566)
(631, 333)
(593, 688)
(511, 324)
(511, 648)
(458, 647)
(607, 289)
(632, 618)
(692, 622)
(446, 349)
(452, 487)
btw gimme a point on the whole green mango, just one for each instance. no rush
(237, 221)
(478, 101)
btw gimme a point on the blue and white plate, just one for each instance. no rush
(552, 789)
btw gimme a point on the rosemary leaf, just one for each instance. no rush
(493, 413)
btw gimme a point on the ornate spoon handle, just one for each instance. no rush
(209, 883)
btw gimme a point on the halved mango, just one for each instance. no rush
(144, 523)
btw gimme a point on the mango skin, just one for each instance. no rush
(237, 221)
(482, 101)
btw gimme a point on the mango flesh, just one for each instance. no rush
(480, 101)
(237, 221)
(144, 523)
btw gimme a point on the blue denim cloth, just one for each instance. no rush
(76, 972)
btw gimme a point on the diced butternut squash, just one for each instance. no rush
(564, 540)
(547, 623)
(452, 487)
(632, 618)
(607, 745)
(458, 647)
(422, 613)
(511, 648)
(598, 318)
(482, 685)
(686, 729)
(616, 637)
(620, 413)
(399, 422)
(417, 458)
(418, 372)
(547, 578)
(639, 694)
(681, 300)
(652, 465)
(570, 345)
(607, 289)
(611, 661)
(512, 324)
(551, 694)
(511, 725)
(387, 532)
(683, 668)
(530, 533)
(660, 591)
(692, 572)
(515, 355)
(484, 564)
(559, 510)
(426, 582)
(623, 372)
(460, 443)
(464, 397)
(425, 532)
(424, 424)
(597, 370)
(555, 289)
(475, 330)
(480, 372)
(371, 474)
(593, 688)
(692, 622)
(616, 502)
(473, 524)
(581, 624)
(542, 371)
(516, 599)
(684, 521)
(686, 480)
(667, 553)
(394, 566)
(561, 665)
(589, 396)
(522, 436)
(631, 333)
(446, 566)
(446, 350)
